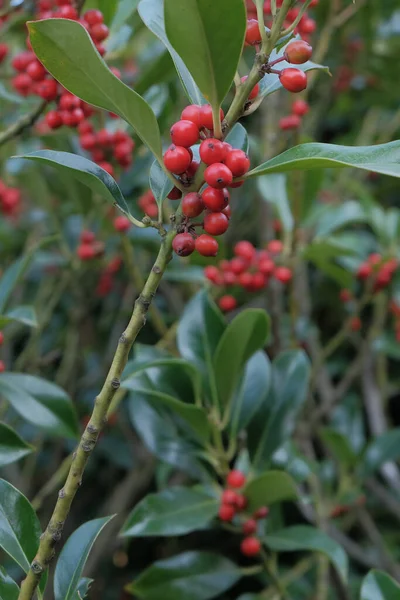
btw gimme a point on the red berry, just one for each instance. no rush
(22, 60)
(241, 502)
(355, 324)
(215, 200)
(99, 33)
(275, 246)
(293, 80)
(253, 35)
(307, 26)
(183, 244)
(226, 512)
(36, 70)
(261, 513)
(238, 265)
(236, 479)
(237, 162)
(87, 237)
(212, 274)
(298, 52)
(375, 258)
(3, 51)
(283, 274)
(88, 141)
(192, 113)
(206, 245)
(218, 176)
(106, 166)
(228, 497)
(86, 252)
(22, 83)
(212, 151)
(175, 194)
(53, 119)
(192, 205)
(2, 366)
(122, 150)
(68, 12)
(364, 271)
(177, 159)
(245, 249)
(93, 16)
(215, 223)
(184, 133)
(122, 223)
(289, 122)
(192, 168)
(226, 304)
(266, 266)
(227, 212)
(48, 89)
(345, 295)
(1, 338)
(250, 546)
(255, 91)
(85, 127)
(249, 527)
(206, 116)
(300, 108)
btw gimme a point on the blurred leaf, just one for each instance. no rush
(268, 488)
(124, 11)
(60, 44)
(8, 96)
(12, 447)
(210, 51)
(194, 575)
(41, 403)
(339, 446)
(83, 588)
(305, 537)
(11, 277)
(22, 314)
(185, 273)
(382, 449)
(8, 588)
(378, 585)
(174, 511)
(336, 216)
(273, 190)
(108, 8)
(238, 138)
(160, 184)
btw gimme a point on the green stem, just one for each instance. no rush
(23, 123)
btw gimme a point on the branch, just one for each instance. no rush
(23, 123)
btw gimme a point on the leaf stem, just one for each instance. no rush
(297, 20)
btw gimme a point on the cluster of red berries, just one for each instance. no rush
(105, 146)
(250, 269)
(148, 204)
(306, 26)
(10, 199)
(377, 270)
(106, 281)
(293, 121)
(233, 502)
(223, 165)
(2, 363)
(89, 248)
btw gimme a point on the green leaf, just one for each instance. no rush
(194, 575)
(378, 585)
(209, 37)
(124, 10)
(237, 137)
(305, 537)
(246, 334)
(382, 158)
(83, 588)
(339, 446)
(160, 184)
(273, 190)
(274, 423)
(152, 14)
(108, 8)
(174, 511)
(12, 447)
(268, 488)
(382, 449)
(73, 557)
(84, 170)
(22, 314)
(19, 526)
(334, 217)
(8, 588)
(10, 278)
(41, 403)
(60, 45)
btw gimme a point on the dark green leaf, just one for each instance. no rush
(10, 278)
(194, 575)
(238, 138)
(160, 184)
(382, 449)
(73, 557)
(22, 314)
(108, 8)
(246, 334)
(334, 217)
(174, 511)
(209, 37)
(60, 45)
(8, 588)
(268, 488)
(40, 402)
(12, 447)
(382, 158)
(83, 588)
(305, 537)
(378, 585)
(339, 446)
(124, 10)
(273, 190)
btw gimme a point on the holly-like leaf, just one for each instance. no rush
(73, 557)
(378, 585)
(194, 575)
(273, 190)
(12, 447)
(238, 138)
(60, 44)
(174, 511)
(269, 488)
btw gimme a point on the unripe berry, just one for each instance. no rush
(206, 245)
(226, 304)
(255, 91)
(283, 274)
(300, 108)
(298, 52)
(206, 116)
(177, 159)
(249, 527)
(192, 205)
(212, 151)
(289, 122)
(215, 223)
(236, 479)
(237, 162)
(183, 244)
(250, 546)
(261, 513)
(184, 133)
(122, 223)
(293, 80)
(192, 113)
(226, 512)
(215, 200)
(218, 176)
(253, 35)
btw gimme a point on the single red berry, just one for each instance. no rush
(364, 271)
(93, 16)
(250, 546)
(355, 323)
(215, 223)
(258, 281)
(175, 194)
(212, 151)
(275, 246)
(177, 159)
(106, 166)
(241, 502)
(245, 250)
(105, 138)
(345, 295)
(266, 266)
(48, 89)
(192, 168)
(298, 52)
(192, 113)
(36, 71)
(237, 162)
(206, 245)
(249, 527)
(87, 237)
(1, 338)
(261, 513)
(122, 150)
(283, 274)
(236, 479)
(85, 127)
(253, 35)
(218, 176)
(183, 244)
(307, 26)
(226, 304)
(293, 80)
(3, 52)
(122, 223)
(289, 122)
(99, 33)
(53, 119)
(212, 274)
(206, 116)
(215, 200)
(88, 141)
(22, 83)
(246, 280)
(238, 265)
(375, 258)
(86, 252)
(226, 512)
(192, 205)
(255, 91)
(68, 12)
(22, 60)
(300, 107)
(2, 366)
(184, 133)
(228, 497)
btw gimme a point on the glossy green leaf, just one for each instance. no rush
(382, 449)
(209, 38)
(73, 557)
(174, 511)
(60, 45)
(246, 334)
(8, 588)
(274, 423)
(40, 402)
(305, 537)
(238, 138)
(378, 585)
(160, 184)
(152, 14)
(273, 190)
(194, 575)
(19, 526)
(22, 314)
(268, 488)
(382, 158)
(339, 446)
(12, 447)
(84, 170)
(83, 588)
